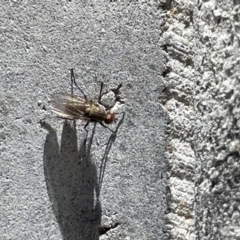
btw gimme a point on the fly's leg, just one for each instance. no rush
(73, 81)
(100, 94)
(106, 127)
(85, 127)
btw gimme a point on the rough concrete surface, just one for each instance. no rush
(172, 169)
(53, 184)
(217, 119)
(202, 101)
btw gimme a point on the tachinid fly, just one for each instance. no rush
(70, 106)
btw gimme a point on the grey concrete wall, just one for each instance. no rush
(53, 185)
(171, 171)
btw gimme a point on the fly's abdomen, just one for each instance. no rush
(75, 110)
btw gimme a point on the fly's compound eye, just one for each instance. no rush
(110, 117)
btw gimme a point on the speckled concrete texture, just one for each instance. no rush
(54, 185)
(172, 169)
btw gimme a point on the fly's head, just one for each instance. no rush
(110, 117)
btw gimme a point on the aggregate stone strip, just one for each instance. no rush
(177, 99)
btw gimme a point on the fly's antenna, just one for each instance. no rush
(73, 81)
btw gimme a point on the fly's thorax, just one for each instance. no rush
(96, 112)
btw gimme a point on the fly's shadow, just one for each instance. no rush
(107, 150)
(72, 182)
(71, 179)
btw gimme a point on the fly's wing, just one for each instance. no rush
(69, 106)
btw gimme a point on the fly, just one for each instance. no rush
(72, 107)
